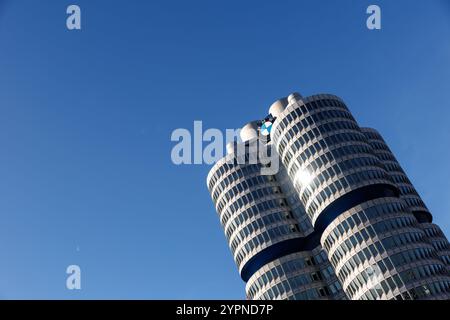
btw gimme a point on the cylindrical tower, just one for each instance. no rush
(304, 275)
(408, 193)
(372, 240)
(267, 232)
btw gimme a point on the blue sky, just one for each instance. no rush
(86, 117)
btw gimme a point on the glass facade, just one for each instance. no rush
(339, 220)
(410, 195)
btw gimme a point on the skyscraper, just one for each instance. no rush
(337, 219)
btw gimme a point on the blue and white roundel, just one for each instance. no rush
(265, 128)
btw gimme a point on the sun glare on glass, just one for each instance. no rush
(303, 177)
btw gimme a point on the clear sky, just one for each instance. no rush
(86, 117)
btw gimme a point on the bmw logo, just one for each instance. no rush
(265, 128)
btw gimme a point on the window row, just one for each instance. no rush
(368, 212)
(227, 175)
(257, 225)
(256, 209)
(240, 200)
(271, 235)
(353, 180)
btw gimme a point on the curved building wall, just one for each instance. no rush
(338, 177)
(379, 251)
(298, 276)
(340, 219)
(439, 241)
(390, 163)
(252, 208)
(263, 225)
(408, 193)
(326, 154)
